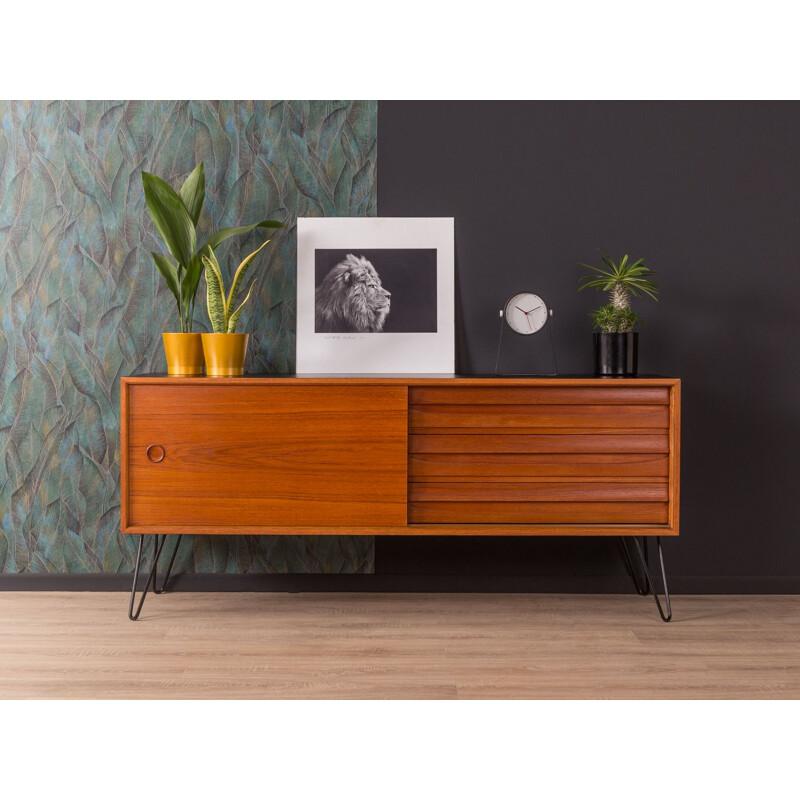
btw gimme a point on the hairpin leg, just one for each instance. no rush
(642, 590)
(642, 553)
(169, 568)
(151, 578)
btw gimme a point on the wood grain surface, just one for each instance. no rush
(434, 529)
(547, 395)
(537, 416)
(481, 466)
(551, 491)
(675, 457)
(537, 443)
(348, 453)
(245, 455)
(402, 646)
(259, 401)
(425, 380)
(501, 511)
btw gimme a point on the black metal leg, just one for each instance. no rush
(169, 568)
(644, 560)
(151, 578)
(642, 590)
(646, 548)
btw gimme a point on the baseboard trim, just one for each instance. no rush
(26, 582)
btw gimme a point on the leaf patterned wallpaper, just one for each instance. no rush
(81, 303)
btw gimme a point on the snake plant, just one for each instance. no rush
(224, 318)
(175, 216)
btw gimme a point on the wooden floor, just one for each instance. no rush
(187, 645)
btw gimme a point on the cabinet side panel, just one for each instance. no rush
(124, 453)
(675, 457)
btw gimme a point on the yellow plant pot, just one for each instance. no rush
(225, 353)
(184, 353)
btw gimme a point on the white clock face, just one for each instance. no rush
(526, 313)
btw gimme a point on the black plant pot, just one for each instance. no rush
(616, 353)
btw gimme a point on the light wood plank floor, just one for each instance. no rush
(219, 645)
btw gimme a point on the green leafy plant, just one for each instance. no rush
(175, 216)
(622, 281)
(614, 320)
(224, 318)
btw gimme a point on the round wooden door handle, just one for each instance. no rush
(155, 452)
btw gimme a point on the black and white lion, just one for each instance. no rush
(351, 298)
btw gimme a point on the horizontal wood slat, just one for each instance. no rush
(519, 465)
(538, 513)
(524, 395)
(611, 491)
(527, 431)
(538, 443)
(538, 416)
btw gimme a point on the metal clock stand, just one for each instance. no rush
(552, 374)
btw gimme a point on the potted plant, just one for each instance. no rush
(616, 344)
(175, 216)
(225, 349)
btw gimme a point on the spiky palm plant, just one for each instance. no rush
(614, 320)
(621, 281)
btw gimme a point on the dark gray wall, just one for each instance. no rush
(709, 194)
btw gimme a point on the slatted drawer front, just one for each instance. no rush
(539, 455)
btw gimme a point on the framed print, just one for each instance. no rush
(375, 295)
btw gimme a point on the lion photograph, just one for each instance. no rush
(351, 298)
(375, 291)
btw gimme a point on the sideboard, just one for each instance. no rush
(402, 454)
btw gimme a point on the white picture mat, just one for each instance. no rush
(375, 352)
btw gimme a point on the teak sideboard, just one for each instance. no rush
(410, 455)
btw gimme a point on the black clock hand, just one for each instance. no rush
(532, 310)
(519, 309)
